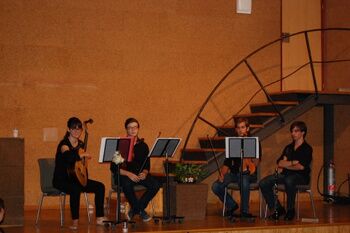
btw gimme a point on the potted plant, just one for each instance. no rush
(188, 197)
(188, 173)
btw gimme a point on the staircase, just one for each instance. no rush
(264, 122)
(265, 118)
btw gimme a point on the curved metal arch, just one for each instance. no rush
(244, 60)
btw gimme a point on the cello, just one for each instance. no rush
(80, 167)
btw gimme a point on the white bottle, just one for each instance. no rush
(125, 227)
(126, 208)
(91, 209)
(122, 207)
(15, 133)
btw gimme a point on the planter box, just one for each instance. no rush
(188, 200)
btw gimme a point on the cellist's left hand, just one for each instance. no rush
(85, 155)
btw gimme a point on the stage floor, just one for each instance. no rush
(332, 218)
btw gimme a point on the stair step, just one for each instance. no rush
(231, 132)
(217, 142)
(268, 107)
(290, 95)
(200, 154)
(258, 118)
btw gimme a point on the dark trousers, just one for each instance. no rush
(218, 189)
(128, 185)
(74, 189)
(290, 182)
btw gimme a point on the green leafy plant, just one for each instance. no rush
(188, 173)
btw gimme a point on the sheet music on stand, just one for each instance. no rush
(166, 147)
(234, 147)
(109, 145)
(163, 147)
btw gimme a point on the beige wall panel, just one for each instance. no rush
(337, 45)
(342, 147)
(108, 60)
(300, 15)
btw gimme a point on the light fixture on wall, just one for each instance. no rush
(244, 6)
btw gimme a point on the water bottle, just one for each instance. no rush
(122, 208)
(126, 208)
(125, 227)
(91, 209)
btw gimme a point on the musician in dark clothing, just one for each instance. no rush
(295, 164)
(66, 156)
(130, 176)
(230, 173)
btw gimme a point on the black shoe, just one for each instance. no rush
(281, 211)
(276, 215)
(145, 217)
(230, 212)
(290, 215)
(246, 215)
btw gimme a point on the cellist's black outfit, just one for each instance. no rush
(68, 184)
(141, 151)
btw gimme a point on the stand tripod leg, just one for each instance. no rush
(167, 218)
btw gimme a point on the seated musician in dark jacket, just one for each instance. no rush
(130, 174)
(295, 164)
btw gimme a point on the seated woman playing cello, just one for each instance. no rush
(67, 156)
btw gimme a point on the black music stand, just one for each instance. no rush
(242, 148)
(166, 147)
(109, 145)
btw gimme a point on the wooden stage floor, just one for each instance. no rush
(332, 218)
